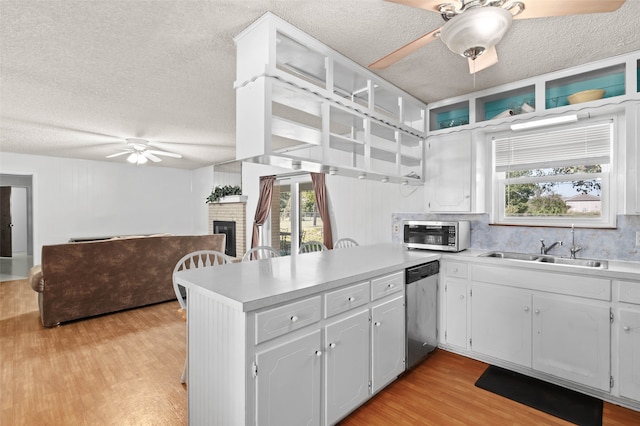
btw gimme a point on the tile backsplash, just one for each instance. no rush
(610, 244)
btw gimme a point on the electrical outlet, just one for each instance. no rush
(637, 238)
(396, 229)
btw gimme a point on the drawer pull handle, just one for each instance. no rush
(455, 270)
(526, 309)
(332, 345)
(461, 296)
(352, 299)
(294, 318)
(377, 323)
(318, 353)
(626, 328)
(537, 311)
(391, 285)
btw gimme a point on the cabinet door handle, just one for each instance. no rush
(332, 345)
(377, 323)
(526, 309)
(461, 296)
(626, 328)
(537, 311)
(455, 270)
(294, 318)
(352, 299)
(318, 353)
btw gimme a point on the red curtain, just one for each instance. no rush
(264, 207)
(321, 200)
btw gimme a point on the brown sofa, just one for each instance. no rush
(83, 279)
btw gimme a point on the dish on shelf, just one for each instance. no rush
(505, 113)
(526, 108)
(453, 123)
(586, 96)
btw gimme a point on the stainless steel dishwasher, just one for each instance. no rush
(421, 311)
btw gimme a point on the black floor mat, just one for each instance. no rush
(564, 403)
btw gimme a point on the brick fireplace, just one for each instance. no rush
(231, 212)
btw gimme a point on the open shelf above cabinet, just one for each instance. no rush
(619, 77)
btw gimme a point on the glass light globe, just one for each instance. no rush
(475, 30)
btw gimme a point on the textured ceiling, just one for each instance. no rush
(78, 77)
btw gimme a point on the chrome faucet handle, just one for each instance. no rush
(542, 247)
(573, 250)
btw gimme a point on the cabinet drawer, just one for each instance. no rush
(456, 269)
(389, 284)
(284, 319)
(336, 302)
(629, 292)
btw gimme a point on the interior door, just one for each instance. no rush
(5, 222)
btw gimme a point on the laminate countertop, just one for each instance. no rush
(249, 286)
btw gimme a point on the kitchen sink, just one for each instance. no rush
(558, 260)
(590, 263)
(510, 255)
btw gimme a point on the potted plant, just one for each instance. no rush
(220, 192)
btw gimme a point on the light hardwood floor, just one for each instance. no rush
(124, 369)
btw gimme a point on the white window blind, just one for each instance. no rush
(584, 145)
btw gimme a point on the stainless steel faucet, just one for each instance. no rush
(573, 249)
(544, 249)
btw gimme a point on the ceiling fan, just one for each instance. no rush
(139, 152)
(473, 27)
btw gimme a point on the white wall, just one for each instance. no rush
(359, 209)
(80, 198)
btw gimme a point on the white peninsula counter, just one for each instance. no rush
(302, 339)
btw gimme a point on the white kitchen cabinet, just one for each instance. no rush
(448, 173)
(301, 104)
(629, 352)
(571, 339)
(455, 321)
(501, 322)
(346, 376)
(288, 382)
(387, 341)
(630, 174)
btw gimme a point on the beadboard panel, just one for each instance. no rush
(215, 337)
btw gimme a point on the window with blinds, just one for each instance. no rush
(555, 177)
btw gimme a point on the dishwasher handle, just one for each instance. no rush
(419, 272)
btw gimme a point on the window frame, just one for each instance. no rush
(608, 197)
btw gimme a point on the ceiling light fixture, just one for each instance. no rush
(572, 118)
(471, 33)
(137, 158)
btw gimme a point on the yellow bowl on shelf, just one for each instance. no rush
(586, 96)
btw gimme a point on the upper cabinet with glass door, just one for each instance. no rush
(301, 104)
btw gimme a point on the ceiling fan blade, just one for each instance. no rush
(405, 50)
(484, 61)
(432, 5)
(164, 153)
(544, 8)
(118, 154)
(151, 157)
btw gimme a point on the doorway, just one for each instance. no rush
(16, 205)
(295, 217)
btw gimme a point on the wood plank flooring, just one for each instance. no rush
(124, 369)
